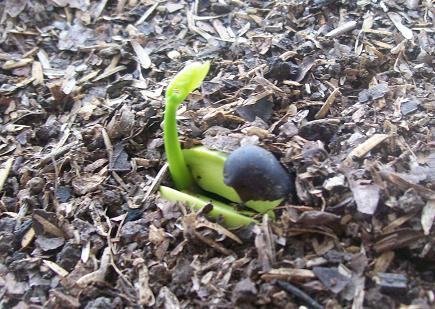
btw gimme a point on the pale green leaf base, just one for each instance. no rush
(207, 168)
(232, 218)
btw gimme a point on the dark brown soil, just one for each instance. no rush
(342, 92)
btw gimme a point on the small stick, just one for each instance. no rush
(107, 143)
(341, 29)
(327, 105)
(57, 153)
(156, 182)
(147, 13)
(362, 149)
(291, 289)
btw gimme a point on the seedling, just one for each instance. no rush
(183, 83)
(204, 168)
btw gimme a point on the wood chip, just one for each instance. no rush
(192, 27)
(364, 148)
(60, 271)
(383, 262)
(98, 275)
(4, 172)
(397, 21)
(113, 68)
(221, 30)
(142, 55)
(327, 105)
(44, 220)
(28, 238)
(341, 29)
(86, 251)
(404, 184)
(12, 64)
(37, 73)
(220, 229)
(43, 58)
(110, 72)
(289, 274)
(146, 295)
(156, 182)
(398, 239)
(291, 83)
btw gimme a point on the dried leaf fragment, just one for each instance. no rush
(366, 197)
(86, 183)
(428, 216)
(331, 278)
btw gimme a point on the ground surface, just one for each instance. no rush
(340, 91)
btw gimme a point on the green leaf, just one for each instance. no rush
(187, 80)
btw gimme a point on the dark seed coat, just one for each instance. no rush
(256, 174)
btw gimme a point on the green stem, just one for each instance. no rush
(231, 217)
(177, 165)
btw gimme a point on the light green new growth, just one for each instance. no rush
(231, 217)
(207, 169)
(199, 165)
(183, 83)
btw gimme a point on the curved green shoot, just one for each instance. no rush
(187, 80)
(231, 217)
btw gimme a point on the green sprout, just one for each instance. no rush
(183, 83)
(204, 168)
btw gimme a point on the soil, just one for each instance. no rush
(341, 92)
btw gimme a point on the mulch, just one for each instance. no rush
(342, 92)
